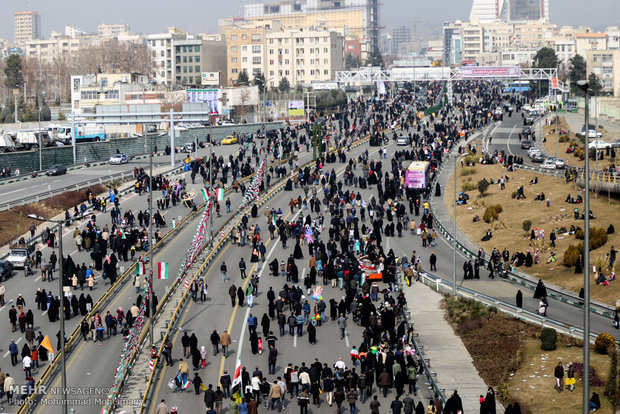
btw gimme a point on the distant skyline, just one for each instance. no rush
(154, 16)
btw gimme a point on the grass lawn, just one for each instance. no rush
(534, 384)
(508, 231)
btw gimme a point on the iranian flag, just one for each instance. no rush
(122, 234)
(273, 219)
(140, 270)
(162, 270)
(205, 194)
(219, 192)
(174, 223)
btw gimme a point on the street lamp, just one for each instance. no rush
(584, 86)
(61, 313)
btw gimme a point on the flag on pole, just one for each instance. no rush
(162, 270)
(45, 343)
(205, 193)
(219, 192)
(140, 270)
(273, 219)
(236, 383)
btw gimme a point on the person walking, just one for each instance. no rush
(223, 271)
(273, 356)
(342, 325)
(396, 406)
(225, 342)
(275, 394)
(374, 405)
(303, 399)
(433, 261)
(14, 351)
(226, 382)
(242, 268)
(215, 341)
(558, 373)
(352, 399)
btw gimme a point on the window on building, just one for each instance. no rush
(326, 72)
(244, 59)
(255, 71)
(287, 72)
(256, 60)
(244, 48)
(184, 59)
(184, 49)
(233, 48)
(190, 59)
(244, 37)
(256, 38)
(197, 68)
(233, 60)
(234, 71)
(197, 58)
(178, 69)
(271, 62)
(271, 73)
(233, 37)
(256, 49)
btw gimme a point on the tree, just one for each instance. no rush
(243, 79)
(352, 61)
(13, 73)
(46, 114)
(545, 58)
(595, 84)
(577, 70)
(483, 186)
(284, 85)
(260, 81)
(375, 58)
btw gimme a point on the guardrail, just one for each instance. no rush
(443, 286)
(146, 397)
(518, 277)
(52, 369)
(431, 376)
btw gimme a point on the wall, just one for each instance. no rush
(101, 151)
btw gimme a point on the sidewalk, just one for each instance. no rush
(445, 350)
(610, 130)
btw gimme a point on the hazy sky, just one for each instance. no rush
(151, 16)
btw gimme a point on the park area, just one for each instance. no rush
(512, 221)
(518, 360)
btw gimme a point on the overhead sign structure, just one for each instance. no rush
(430, 73)
(490, 72)
(296, 108)
(324, 86)
(210, 78)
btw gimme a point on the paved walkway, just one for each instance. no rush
(610, 130)
(448, 356)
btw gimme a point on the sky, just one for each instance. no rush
(196, 16)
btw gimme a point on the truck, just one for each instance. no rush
(89, 133)
(6, 143)
(18, 254)
(30, 139)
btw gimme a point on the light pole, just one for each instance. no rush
(151, 193)
(584, 85)
(456, 156)
(40, 141)
(61, 313)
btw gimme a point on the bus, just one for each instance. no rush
(516, 86)
(570, 105)
(417, 174)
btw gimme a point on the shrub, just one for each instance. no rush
(465, 171)
(471, 159)
(527, 225)
(603, 342)
(513, 195)
(571, 255)
(492, 213)
(468, 186)
(595, 381)
(483, 186)
(548, 339)
(563, 138)
(598, 237)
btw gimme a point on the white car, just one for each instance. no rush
(592, 133)
(599, 144)
(532, 151)
(118, 159)
(225, 123)
(402, 141)
(559, 163)
(549, 164)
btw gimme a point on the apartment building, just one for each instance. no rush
(590, 41)
(303, 56)
(195, 55)
(241, 38)
(606, 65)
(565, 50)
(27, 26)
(89, 91)
(160, 45)
(472, 34)
(45, 50)
(110, 31)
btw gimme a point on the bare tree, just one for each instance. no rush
(114, 57)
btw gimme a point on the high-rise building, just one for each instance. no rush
(355, 18)
(27, 26)
(487, 11)
(400, 36)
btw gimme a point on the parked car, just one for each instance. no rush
(537, 157)
(56, 169)
(229, 140)
(616, 144)
(592, 133)
(559, 163)
(402, 141)
(226, 123)
(548, 164)
(6, 270)
(18, 253)
(526, 144)
(119, 159)
(189, 147)
(599, 144)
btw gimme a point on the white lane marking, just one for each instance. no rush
(18, 340)
(508, 141)
(37, 279)
(295, 341)
(346, 338)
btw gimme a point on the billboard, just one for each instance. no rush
(211, 97)
(412, 74)
(210, 78)
(324, 86)
(415, 176)
(296, 108)
(490, 72)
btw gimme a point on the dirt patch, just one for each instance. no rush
(533, 383)
(15, 222)
(508, 230)
(508, 356)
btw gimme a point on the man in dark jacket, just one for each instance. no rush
(209, 397)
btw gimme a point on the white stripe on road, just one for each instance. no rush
(7, 304)
(346, 338)
(295, 341)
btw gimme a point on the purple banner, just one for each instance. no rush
(490, 72)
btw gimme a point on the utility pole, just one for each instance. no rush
(456, 156)
(151, 193)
